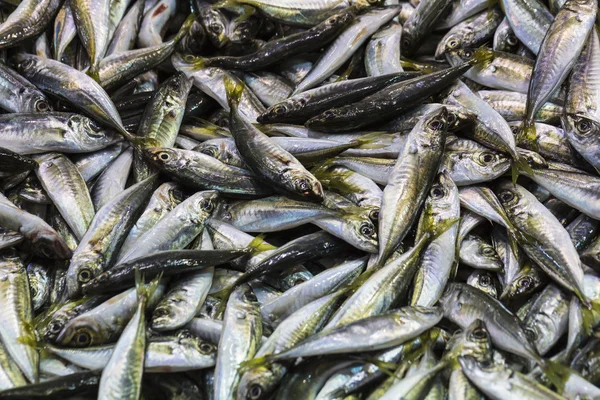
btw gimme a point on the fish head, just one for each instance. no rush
(443, 195)
(522, 285)
(435, 121)
(205, 202)
(26, 64)
(582, 132)
(34, 101)
(259, 383)
(483, 370)
(449, 43)
(510, 196)
(278, 111)
(341, 18)
(82, 270)
(484, 281)
(305, 185)
(84, 130)
(459, 117)
(163, 315)
(47, 243)
(215, 25)
(162, 156)
(83, 331)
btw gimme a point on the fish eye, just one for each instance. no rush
(84, 276)
(302, 186)
(46, 250)
(451, 118)
(406, 42)
(34, 291)
(374, 215)
(206, 348)
(55, 327)
(189, 58)
(515, 129)
(207, 205)
(479, 334)
(486, 158)
(279, 109)
(512, 40)
(436, 124)
(531, 334)
(506, 196)
(487, 251)
(250, 297)
(485, 280)
(468, 54)
(163, 156)
(584, 126)
(216, 28)
(453, 43)
(437, 192)
(42, 106)
(185, 334)
(177, 194)
(366, 230)
(525, 283)
(255, 392)
(82, 338)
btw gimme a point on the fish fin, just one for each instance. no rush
(225, 4)
(248, 12)
(367, 141)
(254, 363)
(258, 244)
(483, 55)
(234, 90)
(387, 368)
(185, 28)
(29, 337)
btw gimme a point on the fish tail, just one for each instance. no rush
(590, 312)
(529, 134)
(258, 245)
(185, 28)
(438, 229)
(145, 291)
(223, 295)
(556, 373)
(234, 89)
(94, 73)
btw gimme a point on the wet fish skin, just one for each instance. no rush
(559, 51)
(27, 21)
(420, 23)
(560, 262)
(241, 337)
(423, 149)
(73, 86)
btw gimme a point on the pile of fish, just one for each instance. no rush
(299, 199)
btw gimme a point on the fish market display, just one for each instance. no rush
(300, 199)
